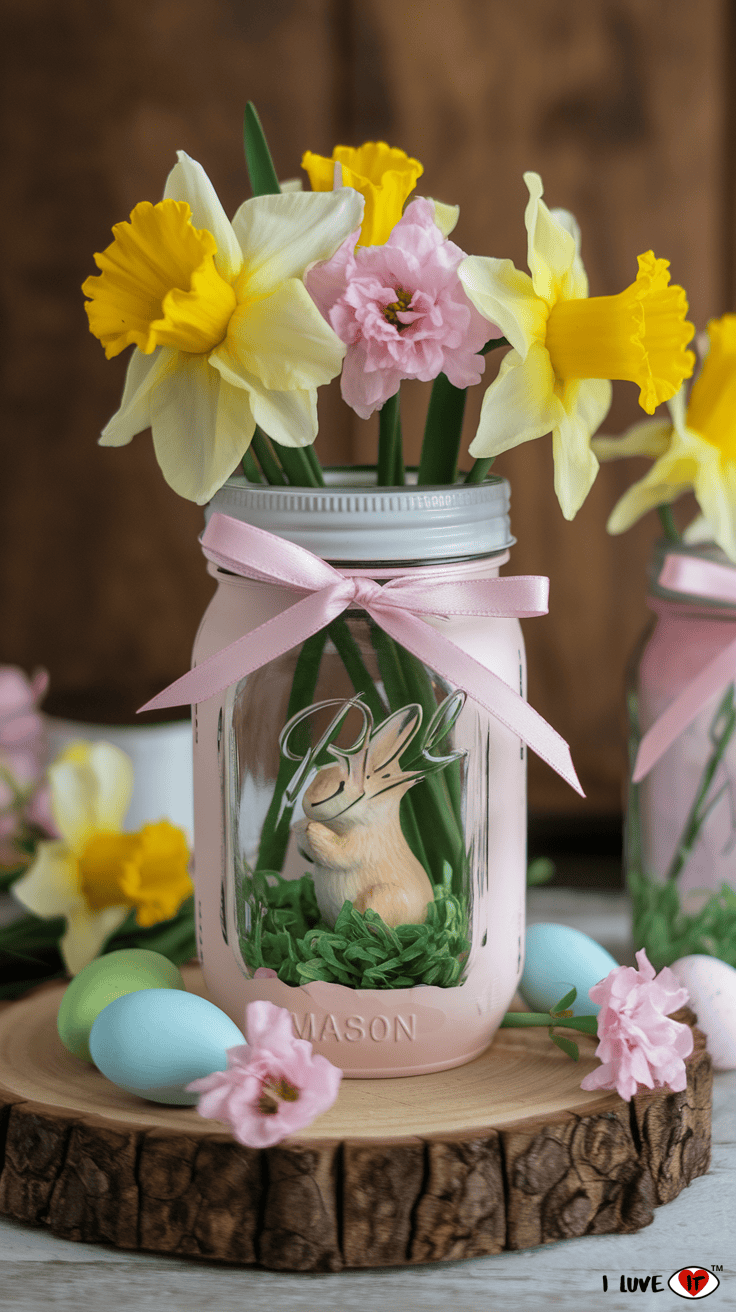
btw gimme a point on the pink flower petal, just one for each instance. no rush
(273, 1085)
(401, 311)
(638, 1043)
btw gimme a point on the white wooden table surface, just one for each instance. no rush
(38, 1271)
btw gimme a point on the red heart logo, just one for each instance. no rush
(693, 1281)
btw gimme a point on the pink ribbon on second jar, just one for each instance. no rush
(700, 578)
(395, 606)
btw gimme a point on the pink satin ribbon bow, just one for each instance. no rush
(395, 606)
(698, 578)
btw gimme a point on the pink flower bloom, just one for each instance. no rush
(638, 1043)
(401, 310)
(22, 751)
(273, 1085)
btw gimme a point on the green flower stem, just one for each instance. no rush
(399, 474)
(261, 172)
(276, 826)
(389, 439)
(250, 468)
(519, 1019)
(479, 469)
(298, 467)
(349, 653)
(420, 686)
(669, 528)
(313, 459)
(699, 812)
(442, 432)
(412, 812)
(264, 454)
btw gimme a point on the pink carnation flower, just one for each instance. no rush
(22, 753)
(638, 1043)
(273, 1085)
(401, 310)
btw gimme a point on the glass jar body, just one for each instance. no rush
(681, 818)
(360, 824)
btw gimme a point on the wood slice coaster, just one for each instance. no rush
(505, 1152)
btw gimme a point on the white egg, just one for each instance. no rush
(711, 984)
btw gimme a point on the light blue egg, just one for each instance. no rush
(557, 959)
(155, 1041)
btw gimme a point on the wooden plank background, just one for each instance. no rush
(623, 106)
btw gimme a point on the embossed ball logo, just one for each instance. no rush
(693, 1282)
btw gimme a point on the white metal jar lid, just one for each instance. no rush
(351, 520)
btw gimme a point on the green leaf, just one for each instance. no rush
(261, 172)
(442, 432)
(540, 871)
(566, 1045)
(565, 1002)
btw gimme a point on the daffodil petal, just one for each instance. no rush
(86, 933)
(646, 495)
(520, 404)
(51, 886)
(188, 181)
(575, 284)
(282, 234)
(90, 794)
(698, 531)
(445, 216)
(650, 438)
(288, 417)
(575, 464)
(677, 406)
(134, 414)
(283, 340)
(550, 247)
(715, 490)
(200, 428)
(505, 296)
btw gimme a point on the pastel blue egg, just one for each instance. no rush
(155, 1041)
(558, 958)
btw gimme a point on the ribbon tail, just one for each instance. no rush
(504, 704)
(280, 634)
(683, 710)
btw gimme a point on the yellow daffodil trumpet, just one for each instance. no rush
(567, 346)
(695, 450)
(94, 875)
(384, 176)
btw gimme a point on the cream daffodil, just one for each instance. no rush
(383, 175)
(567, 346)
(94, 874)
(694, 450)
(226, 335)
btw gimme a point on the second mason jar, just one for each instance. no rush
(681, 816)
(360, 823)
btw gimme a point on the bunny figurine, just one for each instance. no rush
(352, 834)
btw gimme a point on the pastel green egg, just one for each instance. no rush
(103, 980)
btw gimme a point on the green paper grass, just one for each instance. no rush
(361, 952)
(668, 933)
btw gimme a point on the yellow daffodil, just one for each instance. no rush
(226, 335)
(566, 346)
(382, 175)
(94, 874)
(695, 451)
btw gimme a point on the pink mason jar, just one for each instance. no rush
(681, 819)
(360, 822)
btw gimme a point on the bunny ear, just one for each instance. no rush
(392, 736)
